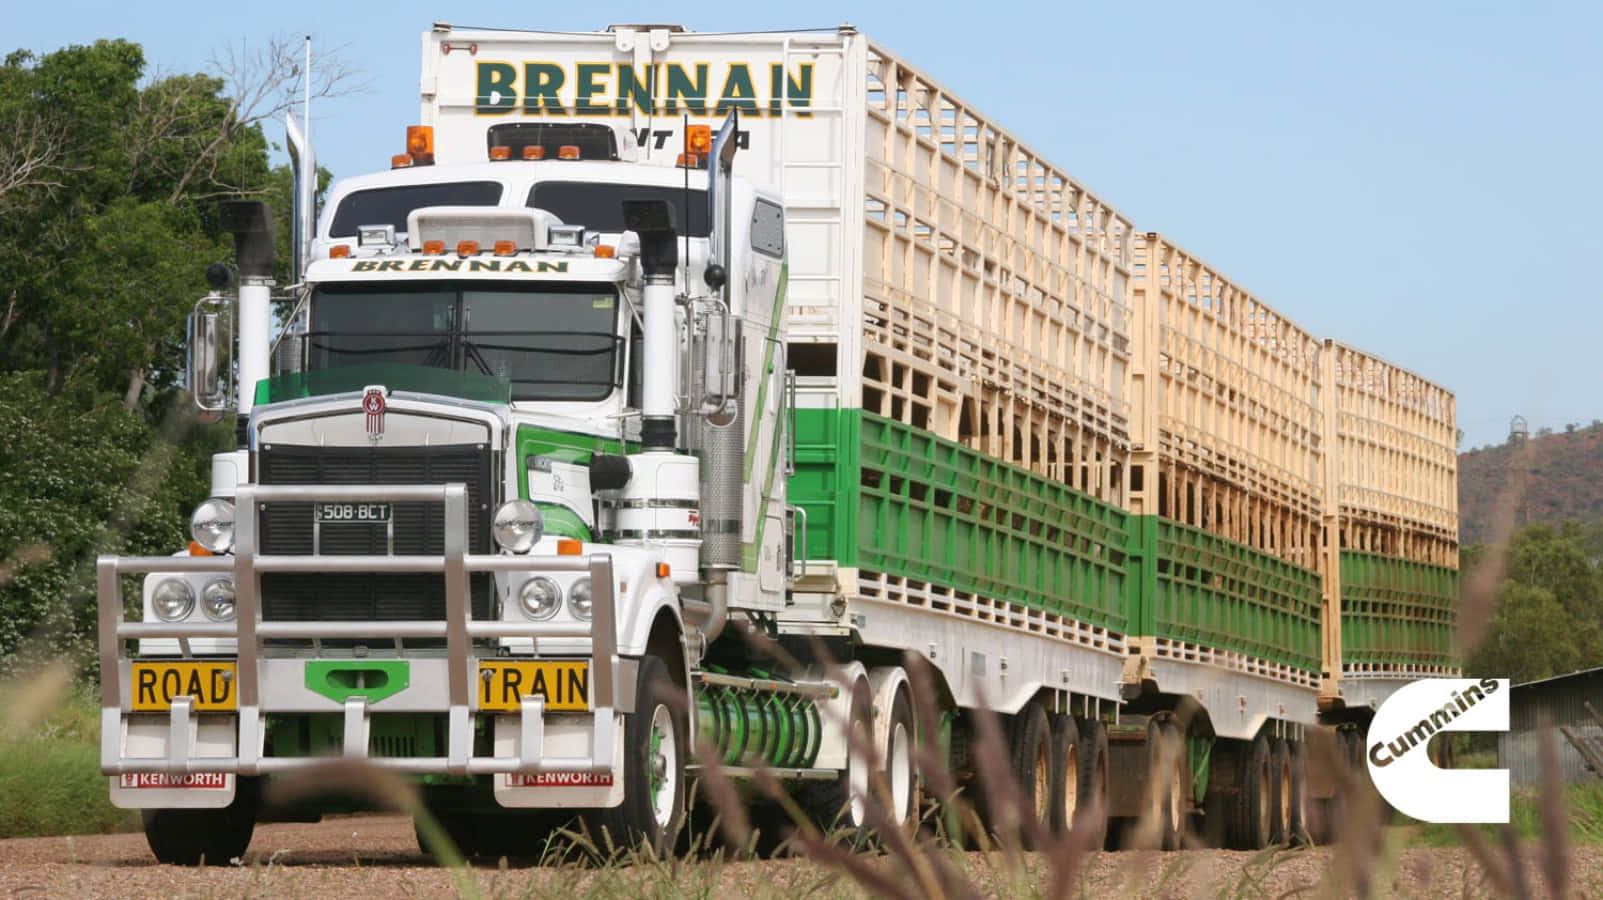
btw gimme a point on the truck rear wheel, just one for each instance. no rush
(842, 803)
(655, 741)
(1281, 788)
(899, 790)
(1168, 775)
(188, 837)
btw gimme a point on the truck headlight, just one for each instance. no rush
(517, 526)
(541, 597)
(579, 599)
(172, 600)
(217, 600)
(212, 525)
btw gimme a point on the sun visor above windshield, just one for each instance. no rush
(529, 229)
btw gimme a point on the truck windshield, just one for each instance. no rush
(551, 341)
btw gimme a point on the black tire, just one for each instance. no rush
(1169, 778)
(652, 763)
(1300, 815)
(897, 789)
(831, 804)
(190, 837)
(459, 829)
(1092, 816)
(1030, 750)
(1251, 817)
(1281, 794)
(1065, 773)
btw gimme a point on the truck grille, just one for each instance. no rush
(419, 528)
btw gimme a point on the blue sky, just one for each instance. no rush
(1418, 179)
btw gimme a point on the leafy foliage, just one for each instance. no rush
(109, 184)
(1549, 617)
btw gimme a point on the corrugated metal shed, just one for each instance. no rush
(1556, 701)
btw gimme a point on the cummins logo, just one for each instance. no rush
(1400, 765)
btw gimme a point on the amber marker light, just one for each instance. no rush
(663, 570)
(339, 251)
(606, 251)
(500, 151)
(433, 248)
(195, 549)
(400, 161)
(505, 248)
(688, 161)
(569, 547)
(467, 248)
(533, 151)
(568, 151)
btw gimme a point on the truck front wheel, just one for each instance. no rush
(655, 741)
(187, 837)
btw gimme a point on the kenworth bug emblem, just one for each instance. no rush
(373, 404)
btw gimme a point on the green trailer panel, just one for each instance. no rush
(1204, 589)
(890, 498)
(1396, 611)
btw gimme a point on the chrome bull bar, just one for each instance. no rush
(247, 628)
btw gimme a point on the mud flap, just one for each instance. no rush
(148, 737)
(566, 738)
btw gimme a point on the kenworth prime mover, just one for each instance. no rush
(655, 340)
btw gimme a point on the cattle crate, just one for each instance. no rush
(1226, 473)
(1393, 517)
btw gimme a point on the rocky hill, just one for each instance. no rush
(1563, 475)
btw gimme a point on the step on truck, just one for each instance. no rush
(679, 400)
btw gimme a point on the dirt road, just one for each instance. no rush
(375, 856)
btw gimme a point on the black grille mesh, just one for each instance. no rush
(287, 529)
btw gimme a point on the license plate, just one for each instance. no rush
(352, 513)
(155, 684)
(565, 684)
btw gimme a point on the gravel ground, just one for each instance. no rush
(375, 856)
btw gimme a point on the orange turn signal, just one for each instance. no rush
(568, 151)
(195, 549)
(400, 160)
(467, 248)
(663, 570)
(533, 151)
(569, 547)
(339, 251)
(501, 151)
(505, 248)
(606, 251)
(433, 248)
(688, 161)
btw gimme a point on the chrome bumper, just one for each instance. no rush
(246, 565)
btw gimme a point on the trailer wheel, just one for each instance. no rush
(898, 791)
(1030, 740)
(1065, 773)
(655, 742)
(1092, 815)
(188, 837)
(1281, 790)
(1252, 814)
(1169, 776)
(1299, 793)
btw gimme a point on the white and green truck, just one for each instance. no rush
(680, 393)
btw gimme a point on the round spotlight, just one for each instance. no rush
(212, 525)
(517, 526)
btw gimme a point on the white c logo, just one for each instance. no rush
(1401, 768)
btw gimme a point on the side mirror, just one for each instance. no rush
(207, 342)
